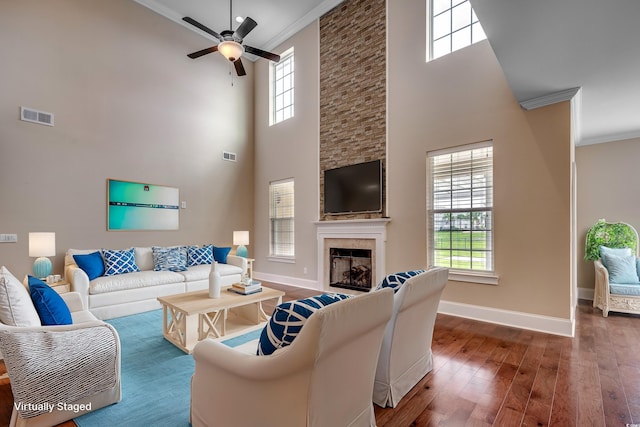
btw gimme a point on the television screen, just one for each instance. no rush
(354, 188)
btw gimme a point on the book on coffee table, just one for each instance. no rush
(244, 292)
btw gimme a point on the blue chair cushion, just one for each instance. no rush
(50, 306)
(92, 264)
(169, 259)
(288, 319)
(396, 280)
(220, 254)
(119, 262)
(199, 256)
(631, 289)
(622, 269)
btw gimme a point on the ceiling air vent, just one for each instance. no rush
(229, 156)
(35, 116)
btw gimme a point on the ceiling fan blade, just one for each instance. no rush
(259, 52)
(202, 52)
(239, 67)
(202, 27)
(245, 28)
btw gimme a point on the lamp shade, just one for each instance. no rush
(240, 237)
(230, 49)
(42, 244)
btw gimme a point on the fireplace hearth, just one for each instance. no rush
(350, 268)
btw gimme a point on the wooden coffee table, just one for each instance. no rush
(193, 316)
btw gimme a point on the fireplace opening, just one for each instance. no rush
(350, 268)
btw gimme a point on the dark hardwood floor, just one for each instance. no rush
(492, 375)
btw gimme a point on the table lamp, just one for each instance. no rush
(41, 246)
(241, 238)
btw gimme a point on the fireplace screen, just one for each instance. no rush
(350, 268)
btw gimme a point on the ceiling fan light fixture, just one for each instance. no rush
(231, 50)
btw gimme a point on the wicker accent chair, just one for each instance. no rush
(59, 372)
(609, 296)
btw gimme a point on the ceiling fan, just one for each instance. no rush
(230, 45)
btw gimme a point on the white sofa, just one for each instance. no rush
(124, 294)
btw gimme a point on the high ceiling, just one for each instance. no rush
(277, 19)
(546, 48)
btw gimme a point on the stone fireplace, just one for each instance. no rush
(351, 253)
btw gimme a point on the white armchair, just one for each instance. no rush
(405, 356)
(324, 378)
(58, 373)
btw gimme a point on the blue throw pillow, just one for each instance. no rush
(288, 319)
(119, 262)
(50, 306)
(622, 269)
(169, 259)
(220, 254)
(396, 280)
(92, 264)
(199, 256)
(615, 251)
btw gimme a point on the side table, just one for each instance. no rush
(61, 286)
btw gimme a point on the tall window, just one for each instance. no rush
(282, 88)
(454, 25)
(461, 207)
(281, 218)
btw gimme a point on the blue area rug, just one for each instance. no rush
(156, 376)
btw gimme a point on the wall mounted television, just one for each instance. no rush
(353, 189)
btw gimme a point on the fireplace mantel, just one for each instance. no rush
(366, 229)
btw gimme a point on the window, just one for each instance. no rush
(461, 208)
(453, 25)
(281, 219)
(281, 77)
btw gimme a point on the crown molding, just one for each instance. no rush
(298, 25)
(548, 99)
(284, 35)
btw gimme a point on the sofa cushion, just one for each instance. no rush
(169, 259)
(201, 272)
(288, 319)
(396, 280)
(140, 279)
(622, 269)
(92, 264)
(220, 254)
(199, 256)
(16, 307)
(119, 262)
(48, 303)
(144, 258)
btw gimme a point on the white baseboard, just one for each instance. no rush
(533, 322)
(287, 280)
(585, 293)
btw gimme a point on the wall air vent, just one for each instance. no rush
(35, 116)
(229, 156)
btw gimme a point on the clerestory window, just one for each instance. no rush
(453, 25)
